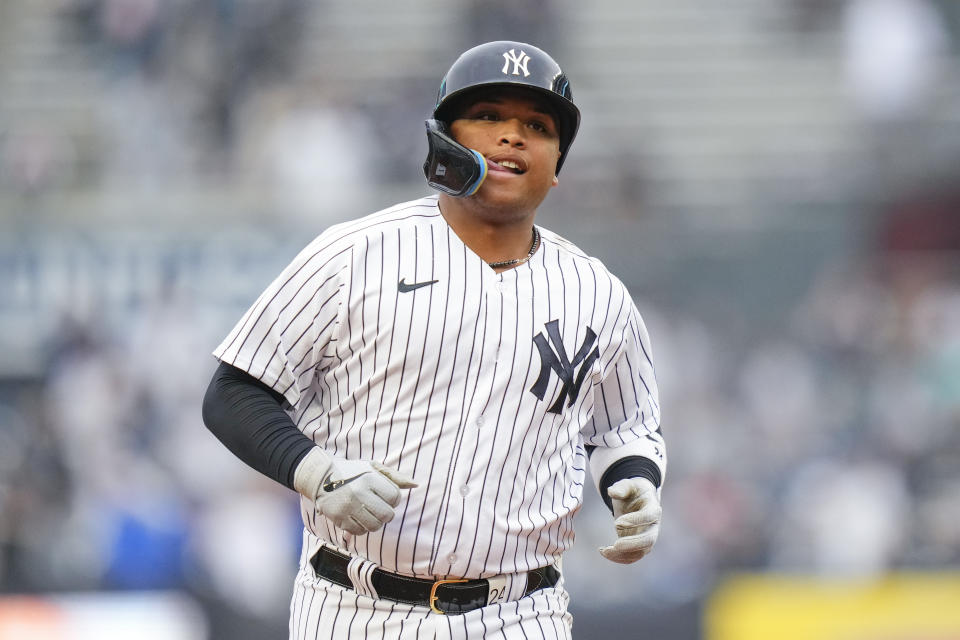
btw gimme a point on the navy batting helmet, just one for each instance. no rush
(505, 63)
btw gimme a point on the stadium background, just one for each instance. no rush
(777, 181)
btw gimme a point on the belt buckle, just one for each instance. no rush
(433, 593)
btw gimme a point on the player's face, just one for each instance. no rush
(517, 134)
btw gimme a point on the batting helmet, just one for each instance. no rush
(505, 63)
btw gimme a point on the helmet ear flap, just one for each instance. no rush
(451, 167)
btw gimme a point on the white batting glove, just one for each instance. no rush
(636, 508)
(356, 495)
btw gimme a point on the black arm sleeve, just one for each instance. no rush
(248, 418)
(629, 467)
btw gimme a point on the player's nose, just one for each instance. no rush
(512, 132)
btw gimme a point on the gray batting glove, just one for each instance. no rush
(636, 508)
(356, 495)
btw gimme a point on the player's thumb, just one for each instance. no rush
(622, 489)
(398, 478)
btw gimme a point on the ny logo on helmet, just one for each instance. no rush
(557, 361)
(519, 62)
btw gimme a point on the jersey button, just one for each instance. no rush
(464, 491)
(452, 558)
(480, 421)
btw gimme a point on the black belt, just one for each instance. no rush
(442, 596)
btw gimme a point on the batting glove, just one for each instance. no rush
(636, 508)
(355, 495)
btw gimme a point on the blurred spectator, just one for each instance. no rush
(34, 498)
(237, 48)
(146, 136)
(132, 28)
(393, 111)
(924, 222)
(36, 158)
(248, 574)
(894, 52)
(843, 517)
(311, 154)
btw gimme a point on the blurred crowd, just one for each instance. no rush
(830, 445)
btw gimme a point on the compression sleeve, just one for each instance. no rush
(248, 418)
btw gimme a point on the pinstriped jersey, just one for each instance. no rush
(392, 341)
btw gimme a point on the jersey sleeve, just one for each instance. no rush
(626, 417)
(290, 331)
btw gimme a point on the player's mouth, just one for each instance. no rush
(508, 165)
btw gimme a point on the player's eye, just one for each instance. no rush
(487, 115)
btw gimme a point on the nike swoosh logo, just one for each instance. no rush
(403, 287)
(336, 484)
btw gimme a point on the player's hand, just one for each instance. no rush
(636, 508)
(356, 495)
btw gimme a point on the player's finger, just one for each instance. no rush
(380, 510)
(366, 519)
(632, 490)
(629, 549)
(632, 545)
(610, 553)
(621, 490)
(353, 526)
(619, 556)
(399, 478)
(383, 488)
(636, 521)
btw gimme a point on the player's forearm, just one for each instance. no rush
(247, 417)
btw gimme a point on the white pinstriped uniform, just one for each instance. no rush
(460, 384)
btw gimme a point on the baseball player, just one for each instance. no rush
(435, 378)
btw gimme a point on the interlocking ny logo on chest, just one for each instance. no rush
(553, 358)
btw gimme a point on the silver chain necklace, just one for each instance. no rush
(518, 261)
